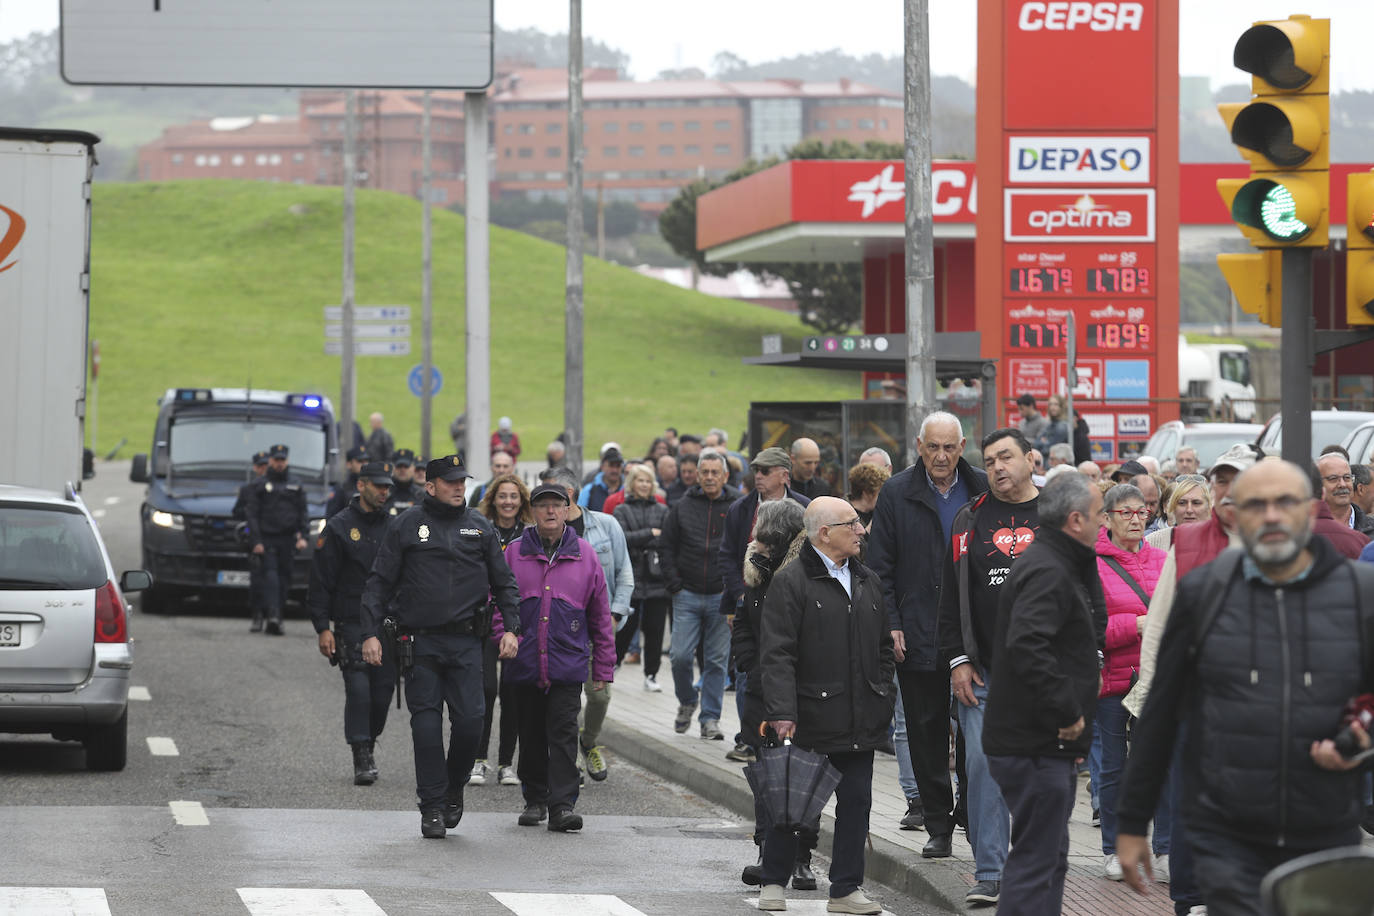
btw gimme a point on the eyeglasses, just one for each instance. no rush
(1258, 506)
(1127, 514)
(1339, 478)
(854, 522)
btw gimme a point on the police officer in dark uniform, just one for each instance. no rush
(277, 524)
(406, 492)
(341, 495)
(240, 514)
(343, 558)
(441, 560)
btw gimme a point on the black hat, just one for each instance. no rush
(278, 451)
(613, 456)
(404, 456)
(378, 472)
(1131, 469)
(357, 453)
(259, 458)
(449, 467)
(550, 489)
(1026, 400)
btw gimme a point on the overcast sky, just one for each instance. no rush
(760, 30)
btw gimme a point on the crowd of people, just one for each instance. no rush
(1003, 626)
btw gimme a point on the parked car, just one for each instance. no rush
(64, 632)
(1360, 443)
(1210, 439)
(1328, 426)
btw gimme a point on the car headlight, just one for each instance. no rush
(168, 520)
(316, 527)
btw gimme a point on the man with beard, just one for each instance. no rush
(1265, 648)
(407, 492)
(277, 523)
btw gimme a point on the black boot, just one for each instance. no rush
(753, 874)
(432, 824)
(453, 808)
(274, 627)
(803, 878)
(361, 774)
(371, 761)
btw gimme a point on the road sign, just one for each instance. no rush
(415, 380)
(369, 348)
(400, 44)
(369, 313)
(368, 329)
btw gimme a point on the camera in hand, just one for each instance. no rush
(1357, 709)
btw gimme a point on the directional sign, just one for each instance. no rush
(369, 313)
(369, 348)
(414, 380)
(368, 329)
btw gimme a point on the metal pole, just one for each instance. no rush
(601, 221)
(426, 289)
(1296, 356)
(1070, 376)
(920, 240)
(478, 267)
(347, 376)
(572, 335)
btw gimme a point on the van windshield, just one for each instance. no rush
(1235, 367)
(48, 547)
(218, 444)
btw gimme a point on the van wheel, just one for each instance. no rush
(107, 746)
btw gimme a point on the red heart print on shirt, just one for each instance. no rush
(1012, 541)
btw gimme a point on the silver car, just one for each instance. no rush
(64, 630)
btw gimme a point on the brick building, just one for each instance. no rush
(643, 140)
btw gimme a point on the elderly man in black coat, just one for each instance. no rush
(826, 662)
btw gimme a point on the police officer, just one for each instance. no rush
(406, 492)
(240, 514)
(341, 495)
(277, 523)
(343, 558)
(441, 559)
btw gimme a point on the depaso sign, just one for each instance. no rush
(1080, 215)
(1078, 160)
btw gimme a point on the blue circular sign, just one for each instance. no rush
(416, 380)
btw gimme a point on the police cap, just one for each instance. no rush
(449, 467)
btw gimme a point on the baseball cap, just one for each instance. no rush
(356, 453)
(378, 472)
(1239, 457)
(612, 455)
(772, 457)
(406, 456)
(259, 458)
(606, 447)
(279, 451)
(549, 489)
(1129, 470)
(449, 467)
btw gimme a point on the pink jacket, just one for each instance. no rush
(1123, 607)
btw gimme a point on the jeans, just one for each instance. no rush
(1039, 792)
(1095, 767)
(853, 801)
(1111, 725)
(367, 688)
(697, 617)
(447, 672)
(906, 775)
(989, 827)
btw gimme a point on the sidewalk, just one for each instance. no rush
(639, 728)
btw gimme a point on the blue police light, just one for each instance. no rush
(312, 403)
(193, 394)
(308, 401)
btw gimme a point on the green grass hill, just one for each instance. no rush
(222, 283)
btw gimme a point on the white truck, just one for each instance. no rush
(45, 236)
(1215, 381)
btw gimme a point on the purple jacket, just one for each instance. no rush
(564, 610)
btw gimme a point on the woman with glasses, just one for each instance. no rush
(1129, 569)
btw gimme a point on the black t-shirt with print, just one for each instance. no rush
(1001, 533)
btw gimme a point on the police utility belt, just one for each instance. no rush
(403, 638)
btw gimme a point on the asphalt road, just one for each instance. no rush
(251, 743)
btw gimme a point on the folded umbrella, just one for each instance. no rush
(793, 785)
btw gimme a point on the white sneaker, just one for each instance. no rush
(1161, 869)
(1111, 867)
(479, 774)
(1198, 911)
(771, 898)
(507, 776)
(651, 684)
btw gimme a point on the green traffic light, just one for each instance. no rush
(1279, 215)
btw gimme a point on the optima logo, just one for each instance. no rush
(13, 234)
(1078, 160)
(1038, 215)
(1067, 16)
(1084, 213)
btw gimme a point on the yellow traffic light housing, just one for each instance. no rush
(1257, 282)
(1359, 249)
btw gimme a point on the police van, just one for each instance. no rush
(201, 455)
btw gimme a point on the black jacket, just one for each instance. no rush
(744, 633)
(692, 533)
(1265, 678)
(826, 659)
(906, 548)
(812, 488)
(1364, 523)
(1082, 447)
(674, 492)
(638, 518)
(341, 495)
(739, 522)
(1051, 628)
(403, 496)
(440, 562)
(276, 507)
(344, 552)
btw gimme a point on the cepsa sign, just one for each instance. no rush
(1080, 65)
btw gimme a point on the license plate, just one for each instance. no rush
(234, 577)
(9, 634)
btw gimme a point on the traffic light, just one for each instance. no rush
(1359, 249)
(1256, 281)
(1283, 132)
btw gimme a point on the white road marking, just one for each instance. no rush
(163, 747)
(97, 513)
(139, 693)
(189, 813)
(563, 904)
(805, 907)
(289, 901)
(111, 500)
(47, 901)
